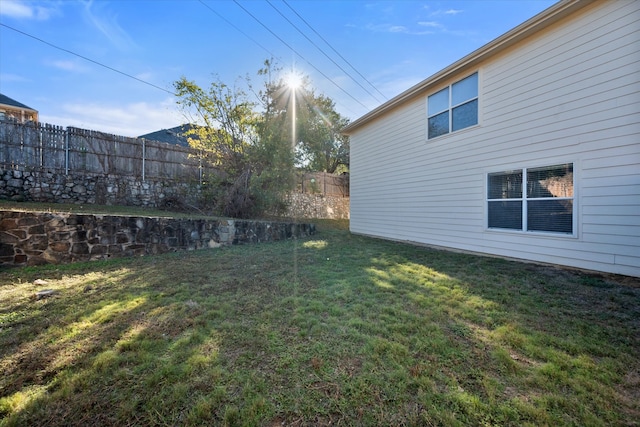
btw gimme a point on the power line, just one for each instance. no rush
(322, 51)
(236, 28)
(302, 57)
(87, 59)
(170, 92)
(332, 48)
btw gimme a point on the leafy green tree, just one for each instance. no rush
(227, 122)
(253, 156)
(318, 145)
(254, 142)
(273, 152)
(321, 146)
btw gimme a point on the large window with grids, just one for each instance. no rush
(532, 199)
(453, 108)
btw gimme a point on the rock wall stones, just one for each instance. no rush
(82, 188)
(28, 238)
(317, 206)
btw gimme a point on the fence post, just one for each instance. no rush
(66, 151)
(144, 155)
(324, 183)
(40, 147)
(22, 157)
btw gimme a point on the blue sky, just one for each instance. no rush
(391, 46)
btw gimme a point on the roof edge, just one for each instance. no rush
(14, 104)
(538, 22)
(20, 107)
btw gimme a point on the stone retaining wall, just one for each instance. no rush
(317, 206)
(94, 189)
(85, 188)
(30, 238)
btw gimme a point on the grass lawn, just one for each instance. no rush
(95, 209)
(335, 329)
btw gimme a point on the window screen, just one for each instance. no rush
(453, 108)
(534, 199)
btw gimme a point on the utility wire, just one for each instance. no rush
(87, 59)
(332, 48)
(322, 51)
(302, 57)
(237, 29)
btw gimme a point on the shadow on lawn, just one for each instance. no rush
(559, 346)
(90, 354)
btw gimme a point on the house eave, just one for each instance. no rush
(14, 108)
(533, 25)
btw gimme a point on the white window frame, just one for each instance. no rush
(525, 201)
(451, 107)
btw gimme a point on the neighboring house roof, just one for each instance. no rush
(539, 22)
(174, 135)
(10, 102)
(9, 107)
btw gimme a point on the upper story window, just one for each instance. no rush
(454, 107)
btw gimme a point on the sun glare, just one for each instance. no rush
(293, 80)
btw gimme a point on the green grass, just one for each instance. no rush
(9, 205)
(335, 329)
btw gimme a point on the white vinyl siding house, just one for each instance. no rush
(558, 106)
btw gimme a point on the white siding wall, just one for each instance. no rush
(570, 94)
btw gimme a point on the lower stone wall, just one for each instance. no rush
(31, 238)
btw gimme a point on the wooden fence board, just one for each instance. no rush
(41, 145)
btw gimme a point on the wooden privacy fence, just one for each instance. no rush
(324, 183)
(65, 150)
(45, 146)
